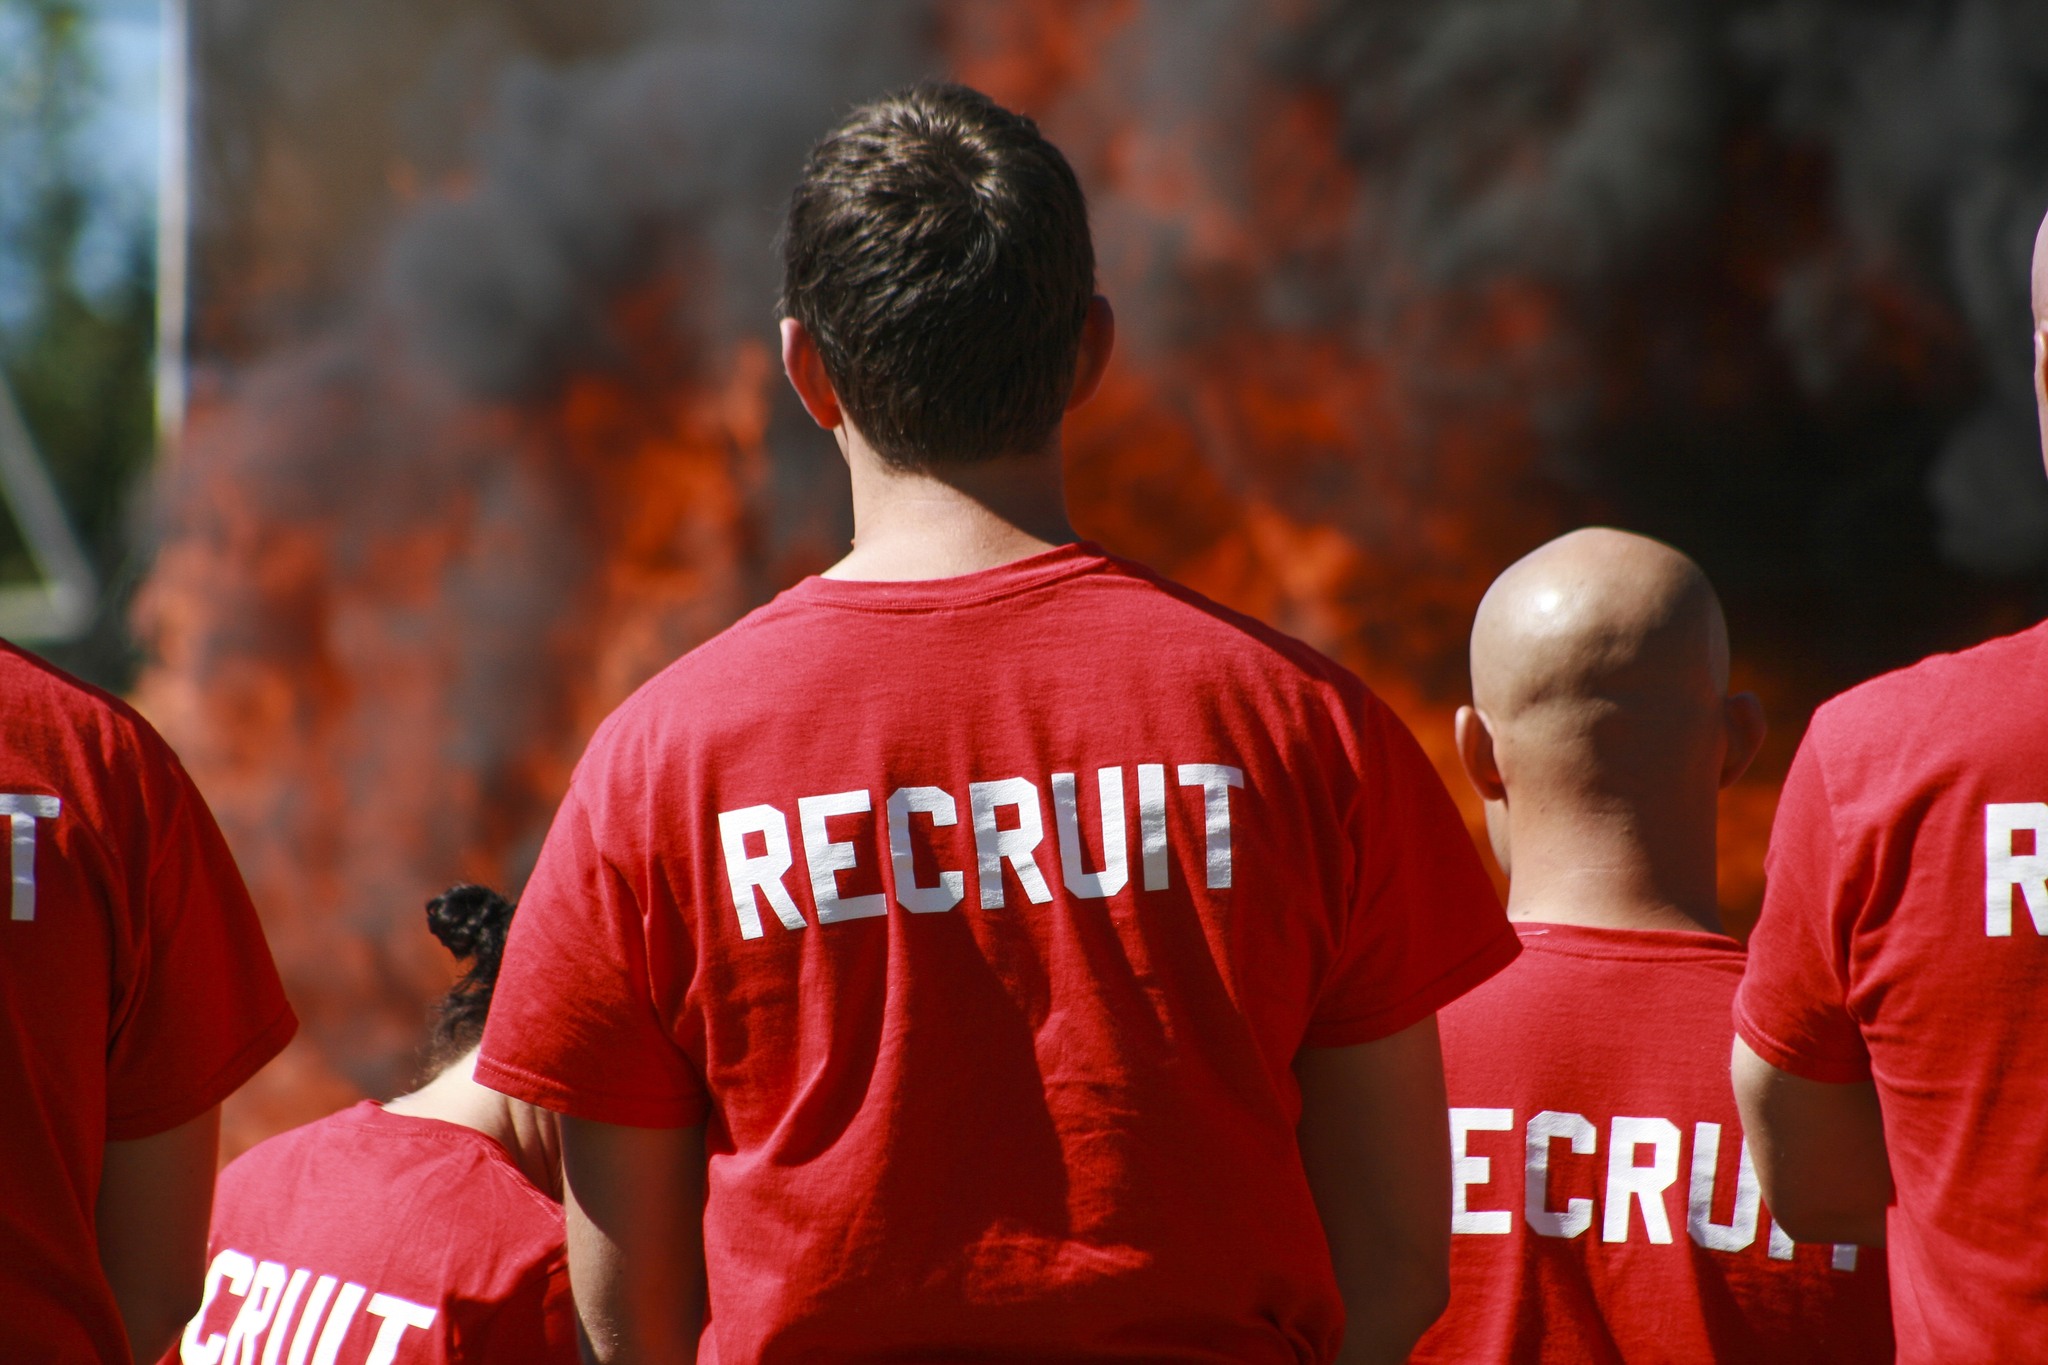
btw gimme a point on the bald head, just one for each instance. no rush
(1598, 617)
(1601, 731)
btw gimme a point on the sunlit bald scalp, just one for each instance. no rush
(1601, 619)
(1601, 732)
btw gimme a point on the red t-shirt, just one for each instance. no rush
(135, 982)
(982, 919)
(1605, 1207)
(1904, 939)
(372, 1238)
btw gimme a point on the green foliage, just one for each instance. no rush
(79, 362)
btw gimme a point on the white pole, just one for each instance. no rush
(60, 606)
(173, 226)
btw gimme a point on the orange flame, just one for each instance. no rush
(317, 686)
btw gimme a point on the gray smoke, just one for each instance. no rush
(429, 708)
(1935, 117)
(1590, 143)
(1553, 136)
(592, 176)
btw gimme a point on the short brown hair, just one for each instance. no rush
(937, 250)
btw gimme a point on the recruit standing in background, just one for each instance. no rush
(425, 1231)
(137, 994)
(989, 910)
(1604, 1205)
(1893, 1023)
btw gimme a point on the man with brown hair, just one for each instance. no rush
(986, 949)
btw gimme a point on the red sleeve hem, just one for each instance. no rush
(1497, 952)
(626, 1111)
(1828, 1070)
(204, 1096)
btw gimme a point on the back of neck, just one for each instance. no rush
(453, 1096)
(1664, 917)
(1613, 883)
(914, 524)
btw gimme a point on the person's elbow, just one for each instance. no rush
(156, 1317)
(1432, 1298)
(1806, 1217)
(1421, 1281)
(1387, 1312)
(1424, 1295)
(156, 1300)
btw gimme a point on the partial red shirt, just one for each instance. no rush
(135, 983)
(1904, 939)
(981, 920)
(1604, 1204)
(373, 1238)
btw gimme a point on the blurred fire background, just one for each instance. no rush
(465, 417)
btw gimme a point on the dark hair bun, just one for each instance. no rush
(471, 922)
(469, 919)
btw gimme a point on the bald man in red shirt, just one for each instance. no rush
(1604, 1204)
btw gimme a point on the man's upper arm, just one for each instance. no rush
(573, 1026)
(577, 1027)
(200, 1008)
(1800, 1068)
(155, 1197)
(1819, 1151)
(198, 1011)
(635, 1204)
(1792, 1008)
(1374, 1147)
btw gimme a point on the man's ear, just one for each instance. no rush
(2041, 381)
(1742, 716)
(1475, 755)
(1098, 339)
(806, 371)
(2041, 363)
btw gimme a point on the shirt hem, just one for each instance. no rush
(1787, 1059)
(550, 1094)
(217, 1087)
(1503, 948)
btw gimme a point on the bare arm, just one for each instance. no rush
(635, 1204)
(1373, 1142)
(1819, 1151)
(156, 1195)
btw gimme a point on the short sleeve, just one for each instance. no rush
(201, 1009)
(1791, 1008)
(1423, 925)
(574, 1026)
